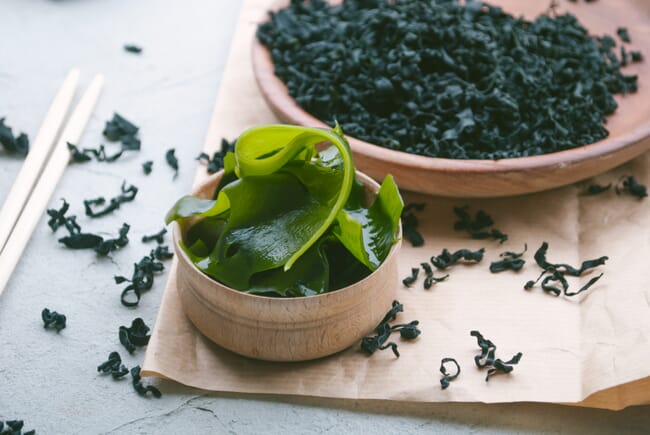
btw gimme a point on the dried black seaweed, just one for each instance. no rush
(142, 278)
(510, 261)
(555, 273)
(58, 217)
(597, 189)
(14, 427)
(162, 253)
(487, 357)
(131, 48)
(446, 258)
(408, 331)
(124, 131)
(13, 144)
(410, 224)
(172, 161)
(623, 33)
(629, 184)
(446, 376)
(429, 279)
(52, 319)
(409, 280)
(78, 240)
(109, 245)
(137, 335)
(127, 195)
(81, 241)
(139, 387)
(159, 237)
(86, 154)
(477, 227)
(113, 366)
(147, 167)
(451, 79)
(215, 163)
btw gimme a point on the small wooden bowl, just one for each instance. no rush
(629, 126)
(285, 329)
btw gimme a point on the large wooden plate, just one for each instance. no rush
(629, 126)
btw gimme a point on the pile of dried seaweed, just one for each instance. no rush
(444, 79)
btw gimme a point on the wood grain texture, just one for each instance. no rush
(629, 127)
(284, 329)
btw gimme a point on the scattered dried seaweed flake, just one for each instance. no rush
(446, 376)
(53, 320)
(487, 358)
(408, 331)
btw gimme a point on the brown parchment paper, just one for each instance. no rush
(591, 350)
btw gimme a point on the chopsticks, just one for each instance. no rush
(30, 194)
(35, 159)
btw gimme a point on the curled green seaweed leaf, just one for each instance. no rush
(282, 210)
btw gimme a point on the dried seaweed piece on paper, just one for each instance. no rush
(555, 273)
(13, 144)
(127, 194)
(510, 261)
(623, 33)
(487, 358)
(409, 280)
(172, 161)
(136, 335)
(216, 162)
(139, 387)
(410, 224)
(408, 331)
(629, 184)
(597, 189)
(446, 376)
(114, 366)
(53, 320)
(429, 279)
(446, 258)
(478, 226)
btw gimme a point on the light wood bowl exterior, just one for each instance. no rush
(284, 329)
(629, 126)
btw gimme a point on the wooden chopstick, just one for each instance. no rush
(33, 210)
(37, 156)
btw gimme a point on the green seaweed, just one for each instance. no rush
(285, 215)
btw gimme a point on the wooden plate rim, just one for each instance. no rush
(283, 105)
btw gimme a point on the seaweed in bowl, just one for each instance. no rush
(287, 219)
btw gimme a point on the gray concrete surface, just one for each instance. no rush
(49, 379)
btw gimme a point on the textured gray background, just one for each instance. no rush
(49, 380)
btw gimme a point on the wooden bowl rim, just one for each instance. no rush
(286, 107)
(185, 262)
